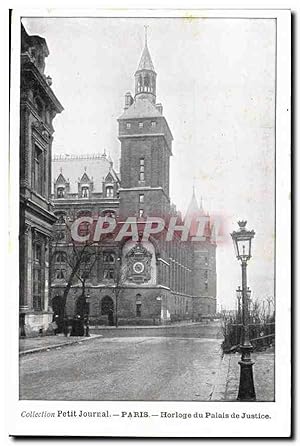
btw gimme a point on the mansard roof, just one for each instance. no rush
(73, 167)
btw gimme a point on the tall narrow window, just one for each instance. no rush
(138, 310)
(141, 213)
(60, 265)
(38, 283)
(60, 192)
(141, 198)
(109, 192)
(38, 170)
(142, 169)
(84, 192)
(138, 304)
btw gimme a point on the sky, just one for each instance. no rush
(216, 81)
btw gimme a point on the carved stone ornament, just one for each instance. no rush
(138, 264)
(40, 128)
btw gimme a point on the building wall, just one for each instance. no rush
(38, 107)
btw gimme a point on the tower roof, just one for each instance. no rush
(141, 108)
(193, 208)
(146, 61)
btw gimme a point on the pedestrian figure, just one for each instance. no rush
(55, 324)
(66, 326)
(110, 317)
(87, 327)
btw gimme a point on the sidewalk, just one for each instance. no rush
(227, 383)
(154, 327)
(44, 343)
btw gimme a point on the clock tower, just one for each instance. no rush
(146, 147)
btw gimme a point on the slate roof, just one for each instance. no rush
(141, 108)
(73, 167)
(146, 61)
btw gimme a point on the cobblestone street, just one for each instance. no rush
(170, 363)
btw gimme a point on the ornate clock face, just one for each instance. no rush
(138, 267)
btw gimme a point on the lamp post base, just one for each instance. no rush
(246, 387)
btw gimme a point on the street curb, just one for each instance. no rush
(140, 327)
(220, 385)
(64, 344)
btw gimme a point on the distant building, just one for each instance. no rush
(38, 107)
(158, 281)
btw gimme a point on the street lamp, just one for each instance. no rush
(117, 289)
(249, 301)
(242, 243)
(87, 315)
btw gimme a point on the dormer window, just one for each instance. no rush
(60, 192)
(128, 125)
(153, 123)
(109, 192)
(85, 192)
(141, 125)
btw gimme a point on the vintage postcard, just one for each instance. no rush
(150, 216)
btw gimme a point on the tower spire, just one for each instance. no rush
(145, 76)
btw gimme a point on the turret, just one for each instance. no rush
(145, 76)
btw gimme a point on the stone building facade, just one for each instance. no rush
(130, 281)
(38, 107)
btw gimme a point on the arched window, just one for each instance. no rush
(147, 80)
(109, 257)
(140, 82)
(60, 192)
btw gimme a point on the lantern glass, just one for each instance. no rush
(242, 242)
(239, 293)
(244, 248)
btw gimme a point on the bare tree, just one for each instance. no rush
(80, 259)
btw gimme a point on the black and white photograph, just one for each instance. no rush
(152, 183)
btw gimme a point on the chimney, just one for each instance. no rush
(128, 100)
(159, 108)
